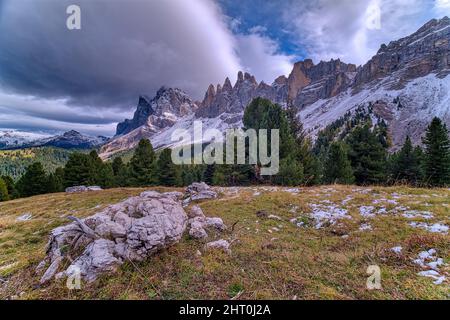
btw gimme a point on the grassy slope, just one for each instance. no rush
(302, 262)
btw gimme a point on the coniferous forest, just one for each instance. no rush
(352, 150)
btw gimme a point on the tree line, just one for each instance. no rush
(356, 154)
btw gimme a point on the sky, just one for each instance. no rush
(53, 79)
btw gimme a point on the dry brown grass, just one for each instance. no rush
(301, 262)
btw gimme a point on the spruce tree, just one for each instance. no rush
(105, 177)
(55, 182)
(209, 173)
(142, 165)
(338, 168)
(4, 196)
(10, 185)
(437, 154)
(406, 164)
(367, 156)
(34, 181)
(96, 169)
(290, 174)
(120, 172)
(78, 170)
(168, 172)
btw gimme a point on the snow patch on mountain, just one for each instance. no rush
(10, 139)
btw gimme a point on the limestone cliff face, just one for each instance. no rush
(161, 111)
(321, 81)
(234, 99)
(423, 52)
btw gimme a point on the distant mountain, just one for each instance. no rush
(13, 139)
(406, 84)
(68, 140)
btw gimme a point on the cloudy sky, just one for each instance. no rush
(54, 79)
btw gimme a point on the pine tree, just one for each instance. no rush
(105, 177)
(120, 172)
(10, 185)
(55, 182)
(263, 114)
(209, 173)
(168, 172)
(78, 170)
(367, 156)
(4, 196)
(290, 174)
(142, 165)
(406, 164)
(33, 182)
(437, 154)
(96, 169)
(337, 165)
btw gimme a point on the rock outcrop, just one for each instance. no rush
(160, 112)
(423, 52)
(199, 223)
(78, 189)
(131, 230)
(198, 191)
(234, 99)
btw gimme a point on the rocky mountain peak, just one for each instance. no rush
(412, 70)
(414, 56)
(227, 86)
(72, 133)
(169, 103)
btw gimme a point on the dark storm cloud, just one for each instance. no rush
(89, 79)
(124, 48)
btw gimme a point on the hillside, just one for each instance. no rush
(13, 163)
(318, 244)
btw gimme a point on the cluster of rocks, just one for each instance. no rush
(132, 230)
(199, 223)
(78, 189)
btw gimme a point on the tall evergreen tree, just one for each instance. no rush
(303, 148)
(367, 156)
(142, 165)
(263, 114)
(437, 154)
(55, 181)
(209, 173)
(290, 174)
(78, 170)
(406, 164)
(168, 172)
(120, 172)
(11, 186)
(338, 168)
(4, 196)
(105, 177)
(33, 182)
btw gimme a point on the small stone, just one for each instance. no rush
(219, 244)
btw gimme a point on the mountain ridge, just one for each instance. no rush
(13, 139)
(412, 70)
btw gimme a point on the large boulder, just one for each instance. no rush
(130, 230)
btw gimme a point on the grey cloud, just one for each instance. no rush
(124, 48)
(338, 29)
